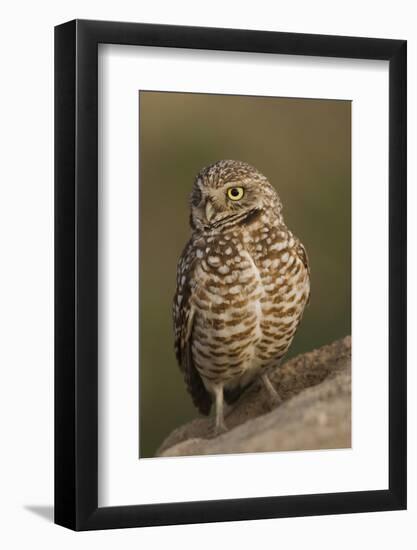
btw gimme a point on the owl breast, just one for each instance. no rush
(250, 291)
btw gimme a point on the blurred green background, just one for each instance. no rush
(303, 147)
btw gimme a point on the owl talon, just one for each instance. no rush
(219, 430)
(274, 399)
(219, 426)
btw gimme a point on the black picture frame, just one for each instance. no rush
(76, 272)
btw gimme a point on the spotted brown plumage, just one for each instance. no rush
(242, 284)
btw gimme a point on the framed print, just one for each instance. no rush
(230, 284)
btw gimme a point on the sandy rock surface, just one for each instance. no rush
(315, 412)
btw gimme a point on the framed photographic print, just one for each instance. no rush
(230, 254)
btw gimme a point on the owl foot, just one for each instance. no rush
(219, 429)
(219, 426)
(274, 401)
(274, 398)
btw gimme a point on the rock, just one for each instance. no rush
(315, 412)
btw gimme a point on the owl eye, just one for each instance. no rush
(235, 193)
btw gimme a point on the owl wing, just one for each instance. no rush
(302, 254)
(183, 314)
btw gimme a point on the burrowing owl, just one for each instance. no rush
(242, 284)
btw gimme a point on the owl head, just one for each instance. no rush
(230, 193)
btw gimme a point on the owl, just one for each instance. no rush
(243, 281)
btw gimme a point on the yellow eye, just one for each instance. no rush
(235, 193)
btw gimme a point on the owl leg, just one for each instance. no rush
(273, 396)
(220, 426)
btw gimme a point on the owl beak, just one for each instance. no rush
(209, 211)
